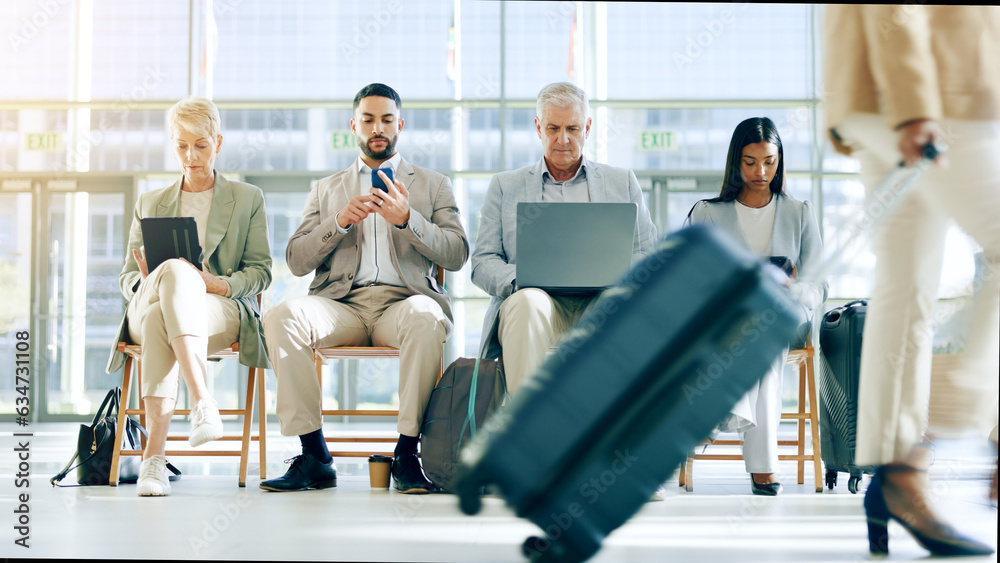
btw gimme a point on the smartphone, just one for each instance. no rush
(782, 262)
(377, 180)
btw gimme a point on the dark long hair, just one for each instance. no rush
(748, 132)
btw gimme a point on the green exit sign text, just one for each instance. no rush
(43, 142)
(657, 141)
(342, 141)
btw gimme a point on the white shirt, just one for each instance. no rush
(198, 205)
(373, 240)
(757, 225)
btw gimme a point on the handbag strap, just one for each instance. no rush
(470, 417)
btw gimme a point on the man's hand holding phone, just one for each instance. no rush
(390, 198)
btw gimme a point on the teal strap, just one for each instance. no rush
(470, 417)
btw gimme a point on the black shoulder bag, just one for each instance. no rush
(95, 446)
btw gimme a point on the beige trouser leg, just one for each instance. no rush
(171, 302)
(380, 316)
(895, 360)
(530, 322)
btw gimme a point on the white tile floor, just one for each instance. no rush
(209, 517)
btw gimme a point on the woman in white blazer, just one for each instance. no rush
(753, 208)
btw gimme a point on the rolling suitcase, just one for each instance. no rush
(840, 367)
(643, 377)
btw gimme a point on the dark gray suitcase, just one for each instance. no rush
(643, 378)
(840, 368)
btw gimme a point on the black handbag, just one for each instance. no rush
(95, 447)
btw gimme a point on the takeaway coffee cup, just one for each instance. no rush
(378, 471)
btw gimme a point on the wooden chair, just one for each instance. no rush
(323, 355)
(803, 359)
(255, 380)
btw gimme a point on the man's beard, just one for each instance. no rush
(384, 154)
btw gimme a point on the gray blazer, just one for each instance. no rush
(795, 234)
(236, 249)
(433, 235)
(495, 256)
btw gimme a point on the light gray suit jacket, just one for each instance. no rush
(495, 255)
(433, 235)
(795, 234)
(236, 250)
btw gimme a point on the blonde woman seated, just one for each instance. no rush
(754, 209)
(180, 314)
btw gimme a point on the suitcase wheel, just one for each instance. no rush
(831, 479)
(852, 484)
(542, 550)
(469, 501)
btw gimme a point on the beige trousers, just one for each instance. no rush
(894, 391)
(172, 302)
(368, 316)
(530, 322)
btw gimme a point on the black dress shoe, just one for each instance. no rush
(306, 472)
(408, 476)
(768, 489)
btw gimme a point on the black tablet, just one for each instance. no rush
(171, 237)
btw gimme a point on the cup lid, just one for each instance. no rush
(380, 458)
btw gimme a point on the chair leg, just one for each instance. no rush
(814, 425)
(247, 424)
(262, 425)
(801, 423)
(120, 425)
(689, 474)
(142, 404)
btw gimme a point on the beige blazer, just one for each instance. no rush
(236, 249)
(433, 235)
(911, 61)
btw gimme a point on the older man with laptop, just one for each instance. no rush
(526, 316)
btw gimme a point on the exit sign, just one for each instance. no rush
(342, 141)
(43, 142)
(657, 140)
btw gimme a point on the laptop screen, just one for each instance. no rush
(574, 247)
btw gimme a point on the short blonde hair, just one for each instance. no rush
(562, 94)
(196, 115)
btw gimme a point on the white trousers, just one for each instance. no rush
(756, 417)
(172, 302)
(368, 316)
(894, 391)
(531, 321)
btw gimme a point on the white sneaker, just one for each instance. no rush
(659, 495)
(153, 481)
(206, 424)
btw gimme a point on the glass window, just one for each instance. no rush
(87, 305)
(329, 50)
(15, 286)
(539, 46)
(38, 50)
(700, 51)
(140, 50)
(128, 140)
(480, 52)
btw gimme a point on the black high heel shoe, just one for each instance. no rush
(952, 544)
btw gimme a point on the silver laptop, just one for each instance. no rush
(573, 247)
